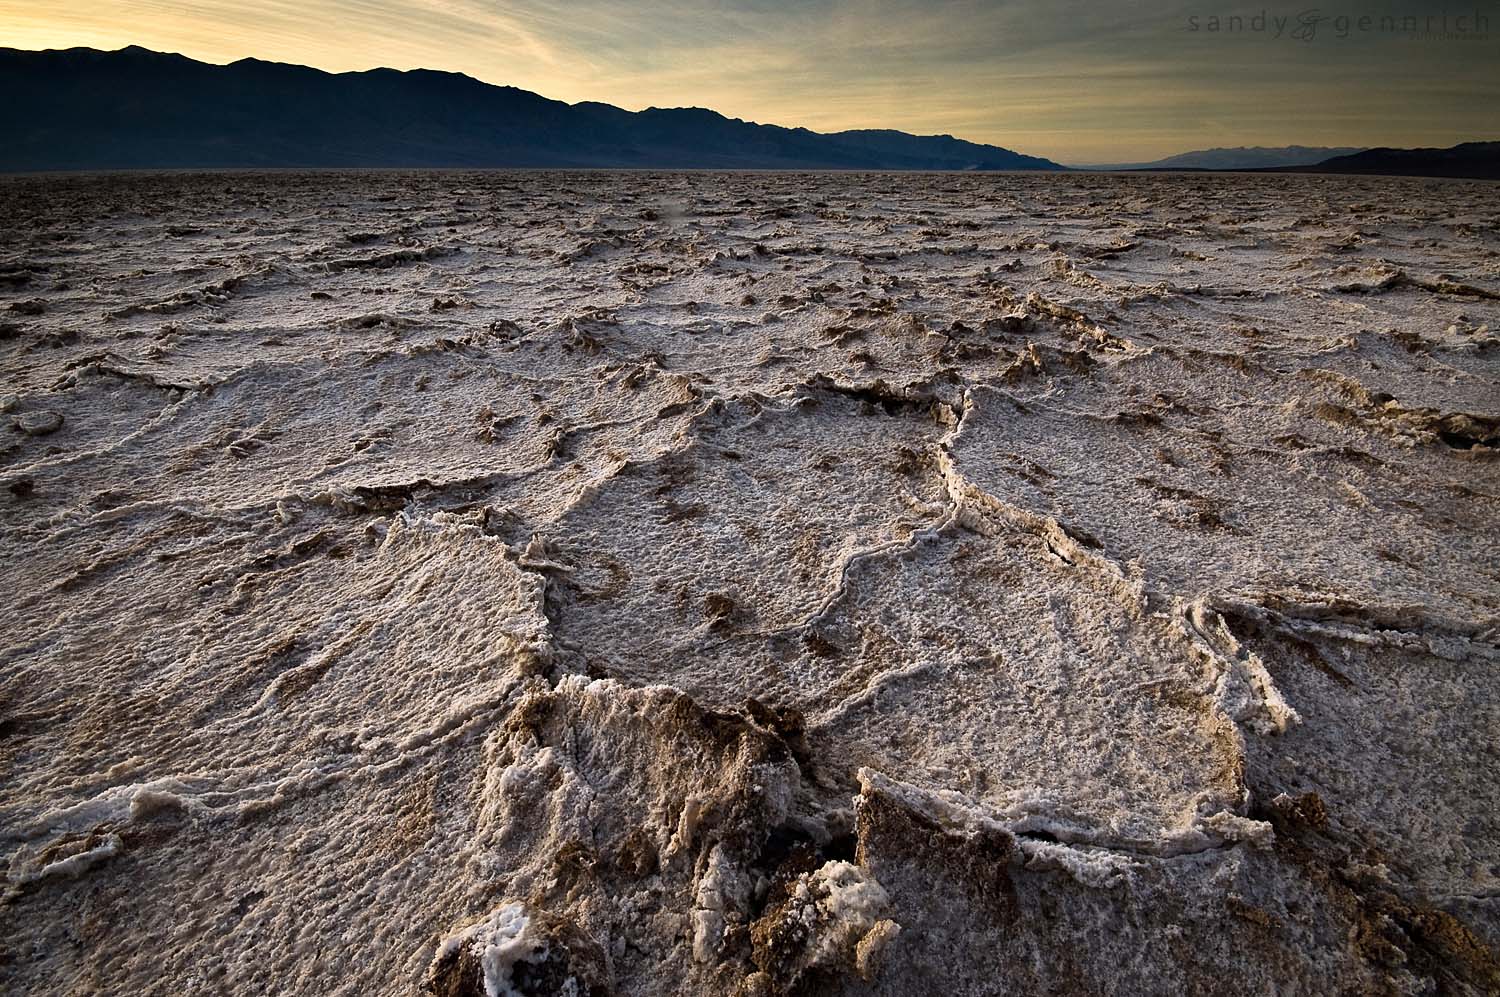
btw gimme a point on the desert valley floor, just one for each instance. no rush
(644, 584)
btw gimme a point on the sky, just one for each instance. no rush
(1111, 81)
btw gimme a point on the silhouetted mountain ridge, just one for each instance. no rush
(1468, 160)
(1238, 158)
(135, 108)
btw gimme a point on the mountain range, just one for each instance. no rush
(1469, 160)
(86, 109)
(1239, 158)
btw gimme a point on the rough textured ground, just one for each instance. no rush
(749, 584)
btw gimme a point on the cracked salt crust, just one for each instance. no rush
(748, 584)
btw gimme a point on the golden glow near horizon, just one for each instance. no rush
(1073, 81)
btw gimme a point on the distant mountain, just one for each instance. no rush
(1472, 160)
(1239, 158)
(86, 109)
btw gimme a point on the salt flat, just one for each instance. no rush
(632, 583)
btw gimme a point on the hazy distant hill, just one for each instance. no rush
(1473, 160)
(1240, 158)
(86, 109)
